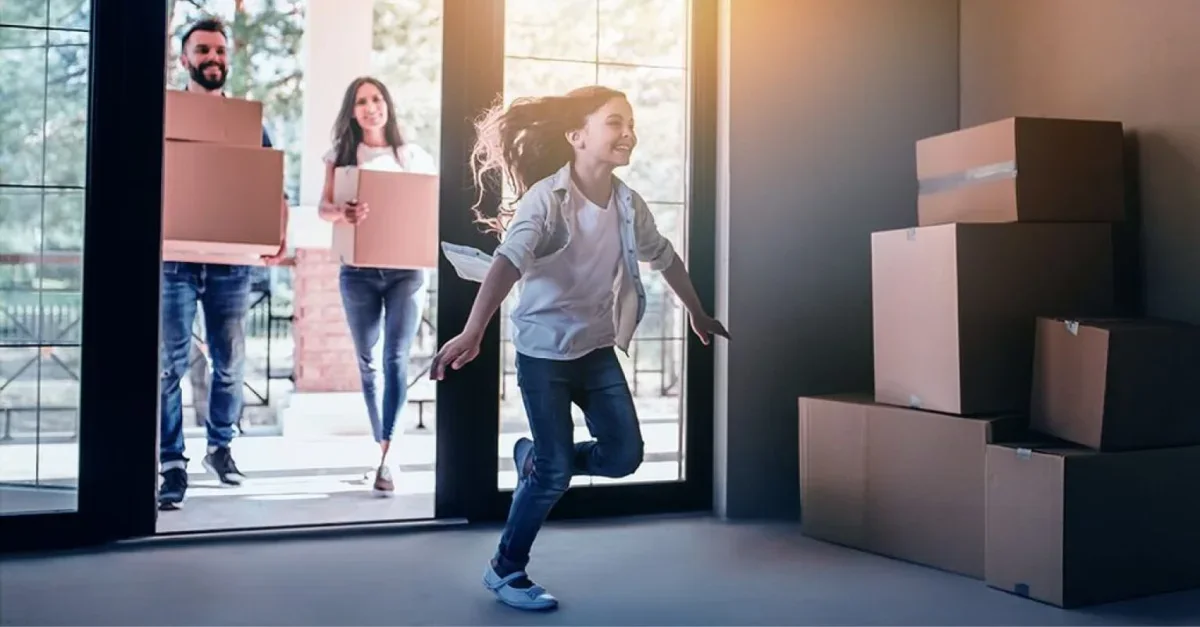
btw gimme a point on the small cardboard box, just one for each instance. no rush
(401, 228)
(221, 202)
(955, 307)
(1023, 170)
(213, 119)
(899, 482)
(1116, 385)
(1074, 527)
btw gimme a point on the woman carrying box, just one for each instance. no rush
(366, 134)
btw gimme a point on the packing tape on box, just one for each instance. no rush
(911, 234)
(972, 176)
(1024, 453)
(1072, 326)
(914, 401)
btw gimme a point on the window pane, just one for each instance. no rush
(644, 32)
(66, 122)
(70, 13)
(60, 272)
(645, 47)
(23, 12)
(534, 77)
(23, 92)
(551, 29)
(659, 99)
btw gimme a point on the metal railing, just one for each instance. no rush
(48, 321)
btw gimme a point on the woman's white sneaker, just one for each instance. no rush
(517, 590)
(384, 484)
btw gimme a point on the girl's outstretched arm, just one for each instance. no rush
(464, 347)
(704, 325)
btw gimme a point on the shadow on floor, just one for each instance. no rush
(673, 571)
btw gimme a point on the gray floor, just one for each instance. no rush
(671, 571)
(237, 512)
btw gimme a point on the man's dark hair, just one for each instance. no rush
(208, 25)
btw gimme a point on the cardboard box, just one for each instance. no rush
(1074, 527)
(401, 229)
(1117, 384)
(900, 482)
(221, 200)
(1023, 170)
(955, 307)
(212, 119)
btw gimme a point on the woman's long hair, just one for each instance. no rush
(347, 133)
(527, 142)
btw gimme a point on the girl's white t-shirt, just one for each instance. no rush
(565, 307)
(413, 158)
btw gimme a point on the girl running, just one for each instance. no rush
(574, 242)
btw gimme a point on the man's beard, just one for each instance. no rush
(198, 75)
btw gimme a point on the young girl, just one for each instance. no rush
(574, 242)
(367, 134)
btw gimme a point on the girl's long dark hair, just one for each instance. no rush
(526, 142)
(347, 133)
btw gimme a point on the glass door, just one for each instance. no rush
(662, 55)
(79, 239)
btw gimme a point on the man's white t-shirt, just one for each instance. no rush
(565, 307)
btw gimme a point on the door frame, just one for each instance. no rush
(122, 233)
(119, 406)
(695, 491)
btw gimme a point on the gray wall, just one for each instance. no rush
(822, 103)
(1137, 61)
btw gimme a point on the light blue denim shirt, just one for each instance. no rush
(538, 231)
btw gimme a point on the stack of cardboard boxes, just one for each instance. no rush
(1107, 511)
(1015, 223)
(222, 191)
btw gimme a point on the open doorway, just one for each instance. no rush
(304, 442)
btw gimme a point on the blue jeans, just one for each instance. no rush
(375, 297)
(596, 383)
(224, 294)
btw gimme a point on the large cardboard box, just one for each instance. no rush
(212, 119)
(955, 307)
(221, 202)
(401, 229)
(1074, 527)
(895, 481)
(1117, 384)
(1023, 170)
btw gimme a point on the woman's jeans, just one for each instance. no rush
(596, 383)
(391, 299)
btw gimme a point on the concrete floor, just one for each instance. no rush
(667, 571)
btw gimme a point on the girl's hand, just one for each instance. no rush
(354, 212)
(458, 352)
(705, 327)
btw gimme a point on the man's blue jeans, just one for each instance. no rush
(390, 300)
(596, 383)
(223, 292)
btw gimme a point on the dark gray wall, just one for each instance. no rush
(1137, 61)
(823, 101)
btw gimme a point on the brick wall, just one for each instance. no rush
(324, 355)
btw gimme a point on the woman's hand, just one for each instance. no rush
(458, 352)
(354, 212)
(705, 327)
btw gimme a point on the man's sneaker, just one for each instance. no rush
(383, 486)
(173, 490)
(219, 461)
(523, 458)
(517, 590)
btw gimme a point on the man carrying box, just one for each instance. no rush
(223, 291)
